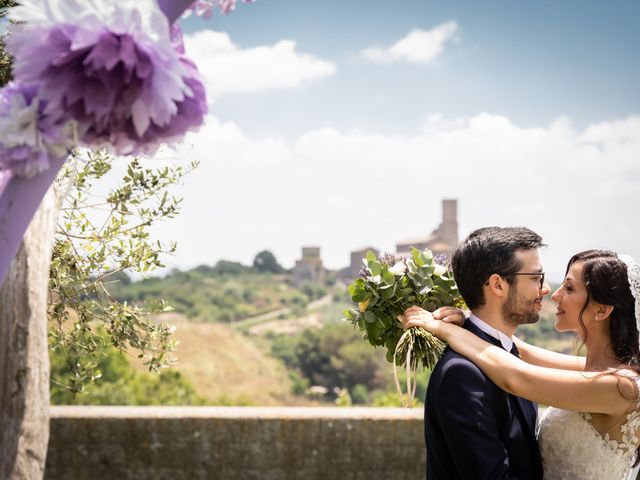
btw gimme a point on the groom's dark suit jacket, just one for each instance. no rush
(475, 430)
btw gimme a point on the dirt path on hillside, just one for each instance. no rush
(269, 321)
(288, 326)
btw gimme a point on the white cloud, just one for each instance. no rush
(344, 189)
(617, 131)
(418, 46)
(228, 68)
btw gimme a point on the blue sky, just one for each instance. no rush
(532, 61)
(344, 123)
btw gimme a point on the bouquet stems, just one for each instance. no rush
(415, 345)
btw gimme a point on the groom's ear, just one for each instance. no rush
(497, 285)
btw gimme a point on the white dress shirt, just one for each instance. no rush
(506, 341)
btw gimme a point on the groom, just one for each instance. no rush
(473, 429)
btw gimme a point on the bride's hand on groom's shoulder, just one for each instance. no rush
(450, 315)
(419, 317)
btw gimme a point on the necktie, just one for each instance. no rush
(514, 351)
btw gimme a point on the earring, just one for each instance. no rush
(597, 318)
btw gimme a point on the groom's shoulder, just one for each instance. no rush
(452, 360)
(455, 367)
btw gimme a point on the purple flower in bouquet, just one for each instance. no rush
(112, 67)
(29, 137)
(205, 8)
(441, 259)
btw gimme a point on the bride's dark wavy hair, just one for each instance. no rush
(606, 279)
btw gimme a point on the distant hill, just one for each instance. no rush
(226, 293)
(238, 295)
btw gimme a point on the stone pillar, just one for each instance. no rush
(24, 359)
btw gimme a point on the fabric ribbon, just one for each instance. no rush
(174, 8)
(19, 200)
(411, 389)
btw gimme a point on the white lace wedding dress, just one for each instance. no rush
(572, 448)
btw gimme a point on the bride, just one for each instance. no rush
(591, 429)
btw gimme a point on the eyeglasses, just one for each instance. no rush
(541, 284)
(541, 274)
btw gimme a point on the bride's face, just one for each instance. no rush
(571, 297)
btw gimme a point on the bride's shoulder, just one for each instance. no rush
(629, 389)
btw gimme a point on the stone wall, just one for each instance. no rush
(235, 443)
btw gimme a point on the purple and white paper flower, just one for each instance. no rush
(109, 66)
(30, 137)
(205, 8)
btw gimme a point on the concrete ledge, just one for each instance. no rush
(235, 443)
(362, 413)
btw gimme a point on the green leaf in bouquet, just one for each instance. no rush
(371, 257)
(407, 295)
(427, 270)
(389, 355)
(416, 257)
(378, 329)
(388, 291)
(412, 268)
(429, 305)
(369, 316)
(443, 296)
(409, 299)
(360, 296)
(375, 267)
(390, 344)
(373, 339)
(426, 289)
(357, 291)
(348, 315)
(444, 283)
(387, 276)
(423, 285)
(428, 280)
(427, 256)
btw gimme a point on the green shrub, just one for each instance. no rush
(360, 394)
(118, 383)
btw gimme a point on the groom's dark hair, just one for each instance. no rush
(487, 251)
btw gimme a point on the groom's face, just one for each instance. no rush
(524, 300)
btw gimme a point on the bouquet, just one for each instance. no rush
(386, 288)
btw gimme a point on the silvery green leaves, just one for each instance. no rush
(387, 287)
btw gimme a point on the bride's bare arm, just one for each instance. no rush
(529, 353)
(548, 358)
(568, 389)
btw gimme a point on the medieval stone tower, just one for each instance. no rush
(444, 239)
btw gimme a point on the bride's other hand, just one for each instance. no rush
(418, 317)
(450, 315)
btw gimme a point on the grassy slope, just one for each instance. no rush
(228, 367)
